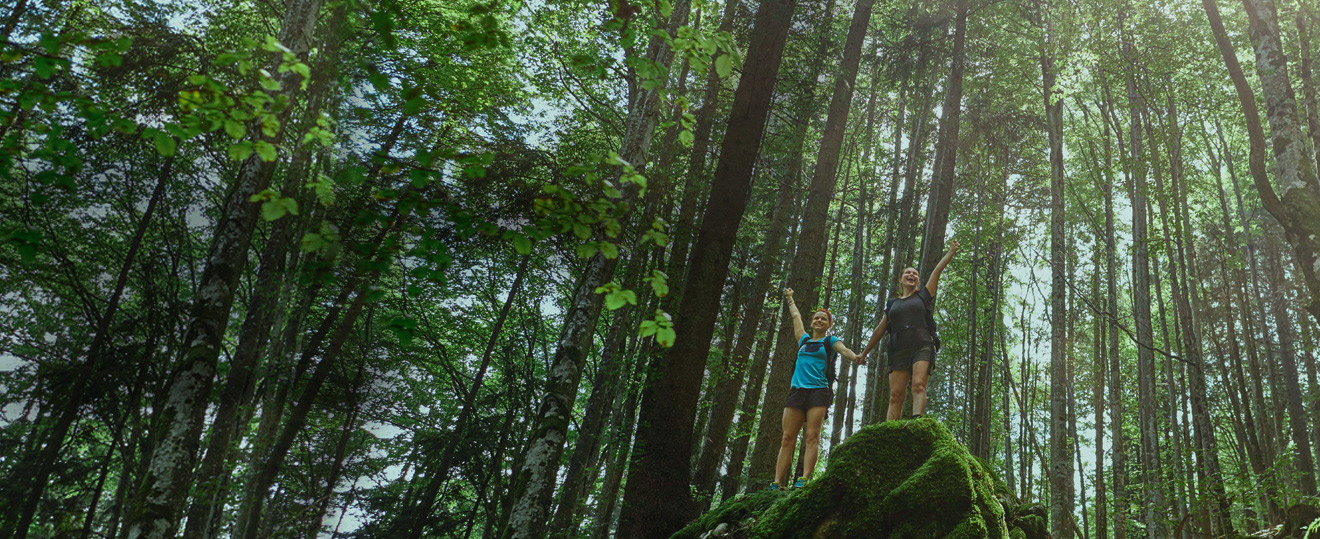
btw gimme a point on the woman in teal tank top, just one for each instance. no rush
(809, 395)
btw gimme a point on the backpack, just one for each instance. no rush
(830, 355)
(930, 318)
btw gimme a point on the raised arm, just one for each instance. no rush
(798, 328)
(875, 336)
(933, 282)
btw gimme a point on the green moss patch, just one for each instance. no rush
(896, 479)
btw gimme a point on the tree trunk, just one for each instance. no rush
(534, 484)
(657, 498)
(696, 169)
(1298, 207)
(1061, 463)
(809, 260)
(1305, 473)
(414, 519)
(1153, 497)
(946, 152)
(726, 392)
(165, 489)
(609, 492)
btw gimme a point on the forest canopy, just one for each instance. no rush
(456, 268)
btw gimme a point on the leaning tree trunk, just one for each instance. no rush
(164, 490)
(534, 484)
(726, 391)
(809, 260)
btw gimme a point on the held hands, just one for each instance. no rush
(788, 293)
(953, 245)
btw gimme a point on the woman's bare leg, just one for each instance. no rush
(920, 375)
(815, 417)
(792, 423)
(898, 381)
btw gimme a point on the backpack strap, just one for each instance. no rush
(930, 316)
(830, 356)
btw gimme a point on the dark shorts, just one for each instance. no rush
(902, 360)
(805, 399)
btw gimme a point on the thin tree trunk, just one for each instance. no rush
(533, 485)
(414, 524)
(726, 393)
(43, 463)
(1061, 463)
(164, 490)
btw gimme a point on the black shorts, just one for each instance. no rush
(902, 360)
(807, 398)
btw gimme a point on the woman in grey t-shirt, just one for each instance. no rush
(912, 341)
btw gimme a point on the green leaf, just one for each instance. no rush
(587, 250)
(165, 144)
(312, 241)
(581, 231)
(235, 130)
(241, 150)
(610, 250)
(666, 337)
(724, 65)
(521, 244)
(685, 138)
(266, 150)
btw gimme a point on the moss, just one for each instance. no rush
(1017, 533)
(1032, 526)
(897, 479)
(733, 512)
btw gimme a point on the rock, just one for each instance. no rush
(733, 518)
(896, 479)
(1297, 518)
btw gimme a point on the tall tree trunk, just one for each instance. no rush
(165, 489)
(46, 460)
(534, 483)
(1061, 463)
(702, 133)
(1153, 497)
(946, 151)
(1305, 474)
(1098, 359)
(609, 492)
(726, 392)
(809, 260)
(1297, 208)
(657, 499)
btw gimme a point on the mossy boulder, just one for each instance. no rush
(896, 479)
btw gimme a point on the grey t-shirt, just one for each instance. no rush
(907, 321)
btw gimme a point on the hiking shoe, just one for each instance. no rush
(801, 482)
(774, 486)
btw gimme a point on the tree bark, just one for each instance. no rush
(726, 392)
(164, 490)
(533, 485)
(657, 499)
(809, 260)
(946, 152)
(1297, 208)
(1061, 459)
